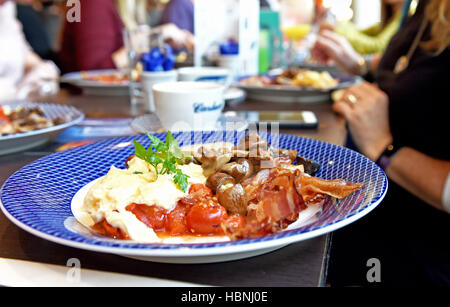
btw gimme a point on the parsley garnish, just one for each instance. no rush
(167, 154)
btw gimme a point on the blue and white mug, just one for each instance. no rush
(187, 105)
(205, 74)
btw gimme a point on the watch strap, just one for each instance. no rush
(385, 158)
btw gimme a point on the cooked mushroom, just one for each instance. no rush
(258, 151)
(218, 180)
(239, 170)
(311, 167)
(234, 199)
(252, 142)
(236, 154)
(285, 153)
(213, 160)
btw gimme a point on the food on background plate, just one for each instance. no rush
(295, 77)
(24, 119)
(115, 78)
(71, 145)
(205, 192)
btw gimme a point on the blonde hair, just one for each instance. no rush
(437, 13)
(132, 12)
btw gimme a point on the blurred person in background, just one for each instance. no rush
(180, 13)
(97, 41)
(375, 38)
(400, 122)
(34, 30)
(155, 10)
(364, 48)
(22, 72)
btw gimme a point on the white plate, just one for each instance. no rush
(92, 87)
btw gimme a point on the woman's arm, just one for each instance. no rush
(365, 108)
(368, 44)
(421, 175)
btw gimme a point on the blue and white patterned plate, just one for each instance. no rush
(38, 197)
(27, 140)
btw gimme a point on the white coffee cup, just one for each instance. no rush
(187, 105)
(230, 62)
(149, 79)
(205, 74)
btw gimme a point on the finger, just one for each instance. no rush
(336, 38)
(326, 26)
(366, 86)
(329, 47)
(360, 94)
(342, 108)
(367, 89)
(378, 95)
(335, 50)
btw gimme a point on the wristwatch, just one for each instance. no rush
(385, 158)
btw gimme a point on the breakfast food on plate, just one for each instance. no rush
(214, 191)
(295, 77)
(115, 78)
(24, 119)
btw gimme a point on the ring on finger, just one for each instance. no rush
(352, 99)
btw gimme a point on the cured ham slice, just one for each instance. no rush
(279, 193)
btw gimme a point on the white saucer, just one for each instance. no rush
(234, 94)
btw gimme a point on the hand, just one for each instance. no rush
(326, 26)
(330, 46)
(40, 80)
(177, 37)
(120, 58)
(365, 107)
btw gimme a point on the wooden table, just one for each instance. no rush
(29, 260)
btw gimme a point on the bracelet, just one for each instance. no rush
(385, 158)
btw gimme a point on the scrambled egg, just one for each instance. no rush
(110, 195)
(320, 80)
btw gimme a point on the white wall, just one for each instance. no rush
(366, 12)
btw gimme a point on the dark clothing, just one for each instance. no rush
(34, 31)
(408, 236)
(180, 13)
(89, 44)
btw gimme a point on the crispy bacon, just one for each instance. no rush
(309, 187)
(276, 197)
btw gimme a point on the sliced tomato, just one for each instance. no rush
(200, 191)
(152, 216)
(106, 229)
(3, 118)
(235, 222)
(176, 220)
(206, 218)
